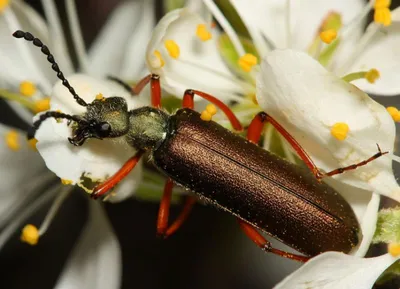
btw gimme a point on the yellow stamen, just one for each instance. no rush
(254, 99)
(394, 112)
(27, 88)
(383, 16)
(12, 140)
(394, 249)
(3, 4)
(66, 182)
(211, 109)
(203, 33)
(32, 144)
(372, 75)
(247, 61)
(30, 234)
(100, 96)
(172, 48)
(339, 130)
(328, 36)
(379, 4)
(205, 115)
(42, 105)
(158, 55)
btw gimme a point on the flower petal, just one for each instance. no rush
(198, 66)
(334, 270)
(22, 174)
(381, 53)
(96, 260)
(96, 159)
(269, 18)
(308, 100)
(122, 40)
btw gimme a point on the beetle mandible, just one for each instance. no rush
(262, 190)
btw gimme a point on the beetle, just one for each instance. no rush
(263, 191)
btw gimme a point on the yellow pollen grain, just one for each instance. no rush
(394, 113)
(4, 4)
(59, 120)
(379, 4)
(211, 109)
(202, 32)
(158, 55)
(30, 234)
(42, 105)
(32, 144)
(247, 61)
(394, 249)
(328, 36)
(372, 75)
(383, 16)
(172, 48)
(66, 182)
(12, 140)
(205, 115)
(27, 88)
(340, 130)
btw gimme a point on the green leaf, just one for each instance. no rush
(388, 226)
(233, 17)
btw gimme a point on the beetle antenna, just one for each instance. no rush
(46, 115)
(37, 42)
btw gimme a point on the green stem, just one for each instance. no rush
(354, 76)
(5, 94)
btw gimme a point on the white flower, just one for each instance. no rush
(308, 101)
(27, 78)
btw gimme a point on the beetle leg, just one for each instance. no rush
(265, 245)
(188, 102)
(104, 187)
(163, 213)
(254, 133)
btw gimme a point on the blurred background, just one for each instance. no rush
(209, 251)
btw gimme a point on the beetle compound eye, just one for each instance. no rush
(103, 129)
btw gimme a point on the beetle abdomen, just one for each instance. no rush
(279, 198)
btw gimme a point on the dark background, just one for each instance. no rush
(209, 251)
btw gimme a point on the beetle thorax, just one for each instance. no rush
(148, 127)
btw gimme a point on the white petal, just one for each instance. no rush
(333, 270)
(124, 31)
(269, 18)
(95, 262)
(97, 159)
(308, 100)
(365, 206)
(381, 53)
(199, 65)
(22, 173)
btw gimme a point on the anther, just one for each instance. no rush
(372, 75)
(66, 182)
(27, 88)
(328, 36)
(383, 16)
(205, 115)
(4, 4)
(12, 140)
(340, 130)
(394, 113)
(247, 61)
(30, 234)
(100, 96)
(42, 105)
(202, 32)
(394, 249)
(172, 48)
(158, 55)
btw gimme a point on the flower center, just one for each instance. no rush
(208, 113)
(340, 130)
(12, 140)
(172, 48)
(394, 113)
(27, 88)
(247, 61)
(202, 32)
